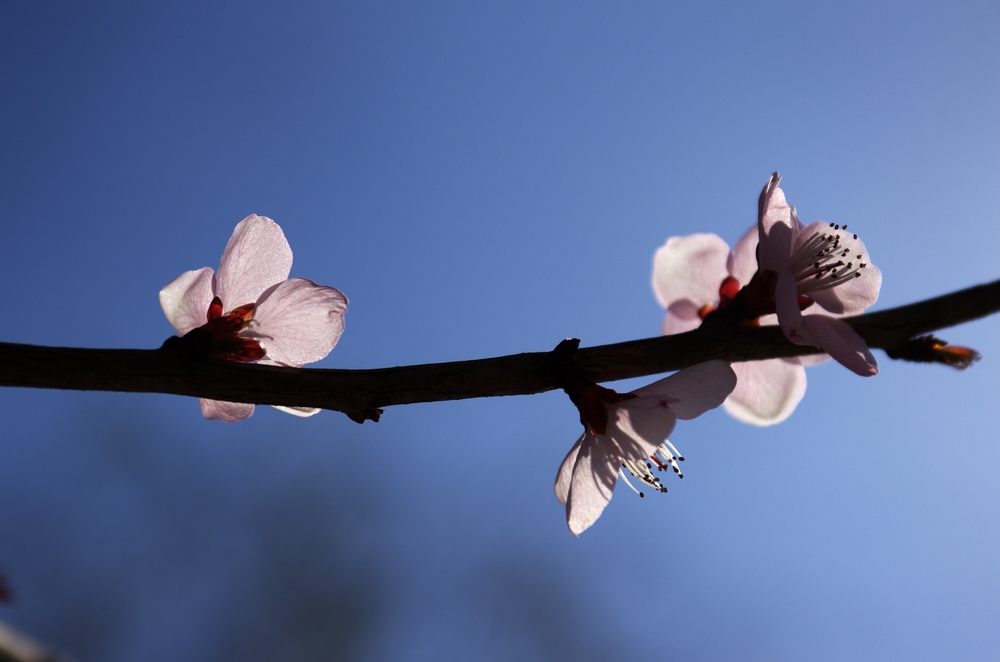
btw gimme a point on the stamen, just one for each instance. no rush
(666, 457)
(818, 264)
(630, 486)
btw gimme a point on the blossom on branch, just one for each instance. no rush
(692, 277)
(819, 263)
(250, 310)
(630, 430)
(697, 274)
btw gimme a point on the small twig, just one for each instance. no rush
(362, 393)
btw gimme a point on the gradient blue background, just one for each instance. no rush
(483, 180)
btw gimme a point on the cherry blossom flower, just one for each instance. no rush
(250, 310)
(694, 275)
(630, 430)
(825, 264)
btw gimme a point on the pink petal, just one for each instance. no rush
(565, 476)
(595, 473)
(840, 341)
(185, 300)
(256, 257)
(786, 303)
(690, 268)
(298, 321)
(682, 316)
(767, 392)
(810, 360)
(775, 227)
(853, 295)
(693, 391)
(742, 264)
(638, 426)
(230, 412)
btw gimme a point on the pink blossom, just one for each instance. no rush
(693, 275)
(823, 263)
(630, 429)
(251, 311)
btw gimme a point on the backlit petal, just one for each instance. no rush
(690, 268)
(742, 262)
(638, 426)
(256, 257)
(302, 412)
(852, 295)
(230, 412)
(786, 303)
(682, 316)
(840, 341)
(693, 391)
(595, 473)
(185, 300)
(767, 392)
(298, 321)
(775, 227)
(565, 476)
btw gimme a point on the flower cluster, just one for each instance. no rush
(250, 310)
(782, 272)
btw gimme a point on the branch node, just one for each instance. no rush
(558, 365)
(928, 349)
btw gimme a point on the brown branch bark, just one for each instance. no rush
(360, 393)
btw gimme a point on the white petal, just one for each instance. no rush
(682, 316)
(810, 359)
(298, 321)
(776, 227)
(302, 412)
(853, 295)
(838, 339)
(565, 476)
(186, 299)
(638, 426)
(690, 268)
(256, 257)
(767, 392)
(742, 263)
(786, 301)
(693, 391)
(594, 475)
(230, 412)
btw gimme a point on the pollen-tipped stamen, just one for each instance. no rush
(666, 457)
(822, 262)
(631, 486)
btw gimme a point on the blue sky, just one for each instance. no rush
(483, 180)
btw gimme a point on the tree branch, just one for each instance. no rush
(16, 647)
(361, 393)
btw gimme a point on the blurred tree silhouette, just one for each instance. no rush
(153, 542)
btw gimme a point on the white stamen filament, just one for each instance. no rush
(666, 456)
(629, 483)
(823, 262)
